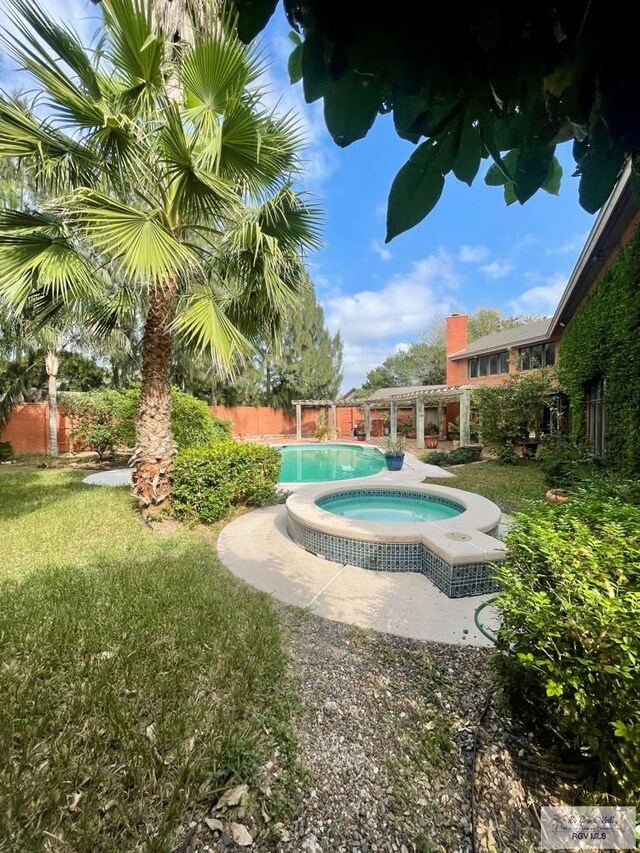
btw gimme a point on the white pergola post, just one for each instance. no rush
(465, 418)
(419, 409)
(367, 421)
(334, 417)
(442, 422)
(393, 415)
(298, 421)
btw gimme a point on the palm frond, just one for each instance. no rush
(202, 324)
(215, 74)
(58, 157)
(73, 104)
(10, 396)
(145, 250)
(291, 220)
(64, 42)
(135, 48)
(105, 315)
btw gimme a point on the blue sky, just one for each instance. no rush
(471, 251)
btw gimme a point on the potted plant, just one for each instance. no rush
(358, 431)
(386, 423)
(393, 449)
(431, 436)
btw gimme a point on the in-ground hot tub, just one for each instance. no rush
(439, 531)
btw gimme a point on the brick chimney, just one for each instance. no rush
(456, 340)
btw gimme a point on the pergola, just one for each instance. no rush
(417, 397)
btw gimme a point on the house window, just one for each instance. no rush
(489, 365)
(596, 402)
(540, 355)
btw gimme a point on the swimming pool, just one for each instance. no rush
(390, 506)
(320, 462)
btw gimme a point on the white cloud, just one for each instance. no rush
(472, 254)
(375, 323)
(543, 298)
(497, 269)
(383, 253)
(571, 246)
(404, 306)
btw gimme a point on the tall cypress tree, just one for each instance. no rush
(308, 364)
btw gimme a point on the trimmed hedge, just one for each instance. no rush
(602, 342)
(569, 645)
(208, 482)
(459, 456)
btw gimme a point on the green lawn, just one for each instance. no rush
(510, 486)
(138, 677)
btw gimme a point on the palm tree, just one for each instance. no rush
(172, 176)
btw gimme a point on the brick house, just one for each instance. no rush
(491, 358)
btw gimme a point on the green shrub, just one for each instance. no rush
(208, 482)
(95, 419)
(6, 451)
(192, 423)
(459, 456)
(508, 412)
(561, 461)
(569, 645)
(105, 419)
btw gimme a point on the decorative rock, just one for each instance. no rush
(310, 845)
(214, 824)
(330, 708)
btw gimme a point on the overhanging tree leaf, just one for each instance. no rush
(554, 177)
(531, 76)
(294, 64)
(467, 163)
(350, 106)
(254, 15)
(532, 169)
(415, 191)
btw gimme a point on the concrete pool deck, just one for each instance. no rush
(257, 548)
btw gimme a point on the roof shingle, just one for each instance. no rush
(506, 338)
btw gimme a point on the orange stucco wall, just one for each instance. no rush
(28, 429)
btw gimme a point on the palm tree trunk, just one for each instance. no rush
(156, 446)
(52, 364)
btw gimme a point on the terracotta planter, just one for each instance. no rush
(558, 496)
(431, 441)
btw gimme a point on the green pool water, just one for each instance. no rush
(384, 508)
(315, 463)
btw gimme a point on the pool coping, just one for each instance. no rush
(480, 518)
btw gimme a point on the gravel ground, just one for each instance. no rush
(386, 748)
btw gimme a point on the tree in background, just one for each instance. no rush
(170, 172)
(421, 363)
(308, 361)
(493, 80)
(484, 321)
